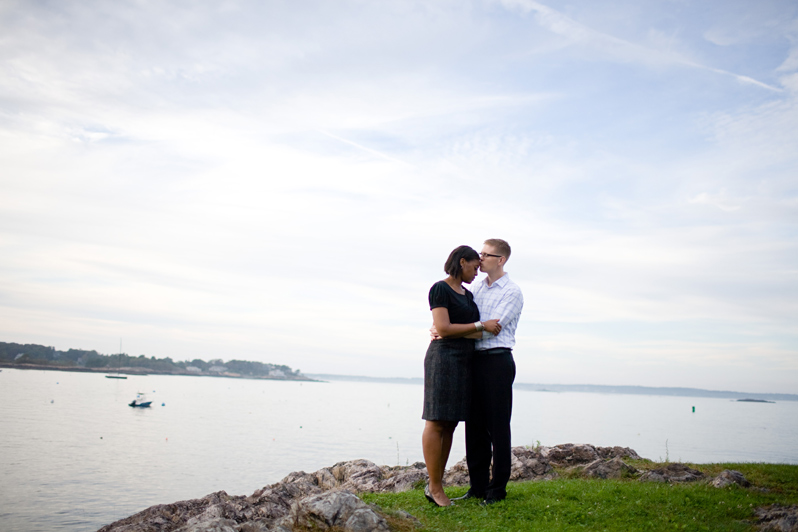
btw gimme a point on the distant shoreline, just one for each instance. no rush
(587, 388)
(745, 397)
(145, 372)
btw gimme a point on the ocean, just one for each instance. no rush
(74, 456)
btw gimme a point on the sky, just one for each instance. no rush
(283, 181)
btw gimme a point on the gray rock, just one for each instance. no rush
(674, 472)
(529, 464)
(618, 452)
(612, 468)
(337, 508)
(457, 475)
(211, 525)
(777, 518)
(570, 454)
(729, 477)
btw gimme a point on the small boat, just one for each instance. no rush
(117, 375)
(140, 401)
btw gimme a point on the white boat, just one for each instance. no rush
(140, 401)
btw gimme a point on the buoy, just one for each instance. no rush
(163, 404)
(693, 409)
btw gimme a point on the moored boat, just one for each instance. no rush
(140, 401)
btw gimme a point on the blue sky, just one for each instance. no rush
(282, 181)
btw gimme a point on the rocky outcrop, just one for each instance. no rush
(326, 499)
(671, 473)
(777, 518)
(298, 499)
(294, 499)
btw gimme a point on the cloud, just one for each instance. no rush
(621, 49)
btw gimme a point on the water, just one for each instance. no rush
(74, 456)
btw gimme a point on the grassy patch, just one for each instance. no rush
(599, 505)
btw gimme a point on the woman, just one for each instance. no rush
(447, 380)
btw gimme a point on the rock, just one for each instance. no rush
(169, 517)
(457, 475)
(673, 472)
(570, 454)
(612, 468)
(212, 525)
(336, 509)
(729, 477)
(529, 464)
(777, 518)
(618, 452)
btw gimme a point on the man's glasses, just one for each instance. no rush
(485, 255)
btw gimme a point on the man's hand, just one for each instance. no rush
(433, 333)
(492, 326)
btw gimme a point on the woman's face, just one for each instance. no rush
(470, 270)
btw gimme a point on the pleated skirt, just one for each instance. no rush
(447, 379)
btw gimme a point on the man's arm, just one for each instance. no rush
(508, 309)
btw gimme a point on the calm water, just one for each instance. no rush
(74, 456)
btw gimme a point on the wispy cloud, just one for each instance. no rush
(578, 33)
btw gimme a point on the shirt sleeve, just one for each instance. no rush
(508, 309)
(438, 297)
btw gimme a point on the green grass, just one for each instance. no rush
(599, 505)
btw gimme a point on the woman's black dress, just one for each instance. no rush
(447, 374)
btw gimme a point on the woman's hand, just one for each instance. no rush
(492, 326)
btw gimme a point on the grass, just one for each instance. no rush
(606, 505)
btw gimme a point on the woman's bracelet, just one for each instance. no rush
(479, 326)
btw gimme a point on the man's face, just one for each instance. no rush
(489, 259)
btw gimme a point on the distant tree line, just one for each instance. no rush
(40, 355)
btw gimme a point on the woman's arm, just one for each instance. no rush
(446, 329)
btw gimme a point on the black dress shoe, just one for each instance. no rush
(468, 495)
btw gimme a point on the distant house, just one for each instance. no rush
(193, 369)
(19, 356)
(217, 369)
(276, 373)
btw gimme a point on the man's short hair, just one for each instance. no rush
(452, 266)
(499, 245)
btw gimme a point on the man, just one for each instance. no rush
(488, 427)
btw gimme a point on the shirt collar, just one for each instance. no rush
(500, 282)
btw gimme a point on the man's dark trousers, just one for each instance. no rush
(488, 426)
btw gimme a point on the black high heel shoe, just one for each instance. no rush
(429, 497)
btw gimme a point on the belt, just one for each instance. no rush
(494, 351)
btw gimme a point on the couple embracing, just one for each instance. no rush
(469, 371)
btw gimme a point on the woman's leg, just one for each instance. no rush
(436, 442)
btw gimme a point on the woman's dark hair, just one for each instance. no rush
(452, 266)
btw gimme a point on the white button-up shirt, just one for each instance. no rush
(503, 301)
